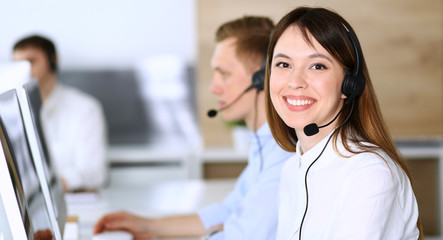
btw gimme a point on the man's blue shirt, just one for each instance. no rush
(250, 211)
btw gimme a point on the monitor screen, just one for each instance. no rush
(11, 223)
(5, 232)
(30, 195)
(119, 93)
(31, 104)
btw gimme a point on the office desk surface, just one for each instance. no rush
(160, 199)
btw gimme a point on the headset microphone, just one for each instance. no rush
(313, 128)
(213, 112)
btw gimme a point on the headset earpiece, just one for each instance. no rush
(346, 88)
(258, 78)
(354, 81)
(53, 66)
(52, 60)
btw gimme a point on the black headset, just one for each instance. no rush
(258, 82)
(354, 81)
(52, 65)
(49, 49)
(258, 78)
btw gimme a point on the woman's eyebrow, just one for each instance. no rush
(314, 55)
(281, 55)
(319, 55)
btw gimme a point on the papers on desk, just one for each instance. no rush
(82, 197)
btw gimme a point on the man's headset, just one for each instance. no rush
(258, 78)
(258, 82)
(53, 65)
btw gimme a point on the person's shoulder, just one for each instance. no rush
(73, 92)
(360, 151)
(375, 164)
(372, 154)
(78, 96)
(274, 154)
(362, 155)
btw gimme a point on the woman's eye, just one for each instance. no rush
(282, 65)
(318, 66)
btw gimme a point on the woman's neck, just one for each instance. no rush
(308, 142)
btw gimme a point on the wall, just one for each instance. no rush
(402, 43)
(102, 33)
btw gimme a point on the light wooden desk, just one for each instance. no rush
(160, 199)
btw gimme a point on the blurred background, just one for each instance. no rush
(148, 64)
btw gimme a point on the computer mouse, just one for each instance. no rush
(113, 235)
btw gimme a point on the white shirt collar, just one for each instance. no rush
(327, 155)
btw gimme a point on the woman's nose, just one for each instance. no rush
(297, 79)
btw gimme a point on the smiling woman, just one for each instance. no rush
(298, 64)
(316, 73)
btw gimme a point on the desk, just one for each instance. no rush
(155, 200)
(175, 153)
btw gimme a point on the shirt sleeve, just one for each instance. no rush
(217, 213)
(218, 236)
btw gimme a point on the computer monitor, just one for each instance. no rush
(119, 93)
(11, 224)
(31, 103)
(30, 197)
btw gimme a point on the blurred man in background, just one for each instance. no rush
(73, 122)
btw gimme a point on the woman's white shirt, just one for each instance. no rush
(362, 196)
